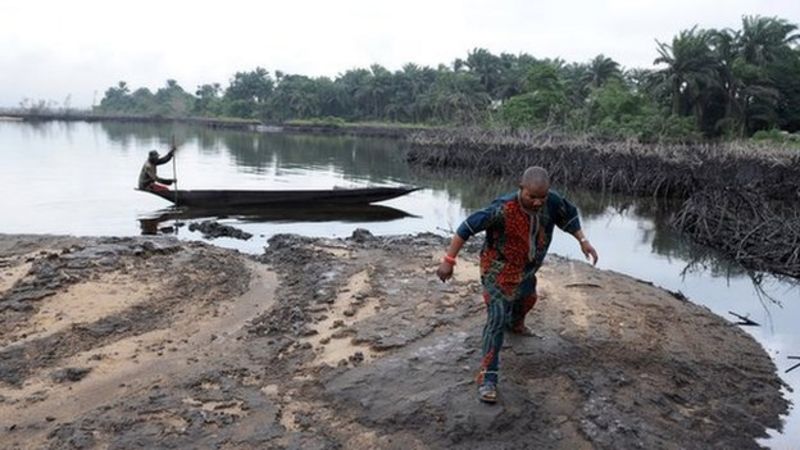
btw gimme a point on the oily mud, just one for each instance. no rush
(320, 343)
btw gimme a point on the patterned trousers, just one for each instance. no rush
(502, 313)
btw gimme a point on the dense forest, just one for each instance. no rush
(705, 82)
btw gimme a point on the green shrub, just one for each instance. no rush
(327, 122)
(777, 137)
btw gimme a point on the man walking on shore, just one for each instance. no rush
(519, 227)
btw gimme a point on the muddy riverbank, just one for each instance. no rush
(318, 343)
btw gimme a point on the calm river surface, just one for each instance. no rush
(79, 178)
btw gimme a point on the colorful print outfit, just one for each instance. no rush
(515, 247)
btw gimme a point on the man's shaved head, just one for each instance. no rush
(535, 176)
(533, 188)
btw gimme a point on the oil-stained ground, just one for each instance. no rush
(156, 343)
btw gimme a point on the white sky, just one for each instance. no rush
(49, 49)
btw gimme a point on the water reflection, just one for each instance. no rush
(371, 160)
(153, 223)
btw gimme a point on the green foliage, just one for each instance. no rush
(117, 99)
(521, 112)
(296, 96)
(729, 83)
(169, 101)
(209, 101)
(173, 101)
(691, 69)
(248, 93)
(326, 122)
(656, 127)
(733, 82)
(601, 71)
(777, 137)
(614, 102)
(615, 111)
(544, 104)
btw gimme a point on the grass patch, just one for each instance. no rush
(338, 122)
(781, 138)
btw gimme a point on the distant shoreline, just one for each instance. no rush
(241, 124)
(365, 129)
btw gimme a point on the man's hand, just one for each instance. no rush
(445, 271)
(588, 251)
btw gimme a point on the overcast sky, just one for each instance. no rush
(51, 49)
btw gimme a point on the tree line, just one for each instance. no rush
(705, 82)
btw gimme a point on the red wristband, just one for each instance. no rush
(449, 260)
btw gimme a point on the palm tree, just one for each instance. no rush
(746, 71)
(486, 66)
(726, 48)
(379, 89)
(642, 81)
(409, 84)
(576, 79)
(355, 83)
(513, 70)
(600, 70)
(690, 71)
(456, 97)
(763, 38)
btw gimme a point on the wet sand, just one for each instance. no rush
(319, 343)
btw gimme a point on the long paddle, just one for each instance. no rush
(174, 170)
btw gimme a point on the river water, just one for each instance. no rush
(79, 178)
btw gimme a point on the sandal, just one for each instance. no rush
(487, 392)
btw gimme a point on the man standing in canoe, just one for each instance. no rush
(519, 227)
(148, 178)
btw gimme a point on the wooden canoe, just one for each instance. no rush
(229, 198)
